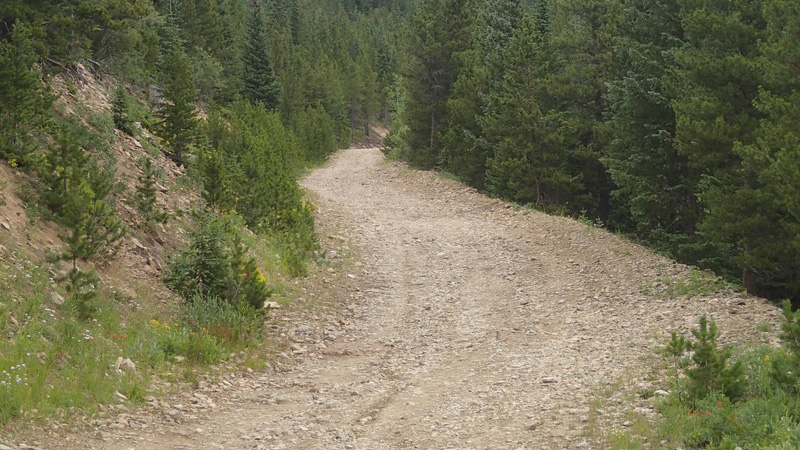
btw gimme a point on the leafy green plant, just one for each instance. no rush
(237, 325)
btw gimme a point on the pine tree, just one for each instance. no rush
(26, 116)
(715, 83)
(582, 36)
(176, 109)
(438, 34)
(753, 207)
(362, 93)
(76, 191)
(479, 80)
(711, 370)
(259, 80)
(146, 195)
(529, 162)
(641, 157)
(120, 110)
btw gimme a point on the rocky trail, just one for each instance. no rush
(473, 325)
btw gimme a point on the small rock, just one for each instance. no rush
(272, 305)
(180, 359)
(5, 225)
(549, 380)
(5, 447)
(125, 365)
(102, 435)
(56, 298)
(661, 393)
(138, 245)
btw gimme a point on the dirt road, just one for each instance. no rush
(480, 327)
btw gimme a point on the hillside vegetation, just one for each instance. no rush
(150, 206)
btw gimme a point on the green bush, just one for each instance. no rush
(314, 129)
(750, 401)
(248, 169)
(197, 348)
(217, 264)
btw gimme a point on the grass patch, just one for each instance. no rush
(53, 364)
(699, 283)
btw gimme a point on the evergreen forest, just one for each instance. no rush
(675, 122)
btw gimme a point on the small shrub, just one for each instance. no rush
(103, 122)
(711, 370)
(315, 133)
(217, 264)
(204, 267)
(121, 111)
(146, 195)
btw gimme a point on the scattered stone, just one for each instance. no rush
(56, 298)
(160, 240)
(5, 225)
(138, 245)
(272, 305)
(125, 365)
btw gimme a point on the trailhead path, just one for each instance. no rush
(475, 325)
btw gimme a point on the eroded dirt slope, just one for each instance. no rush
(479, 327)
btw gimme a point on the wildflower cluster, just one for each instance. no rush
(13, 377)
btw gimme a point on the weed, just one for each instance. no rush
(700, 283)
(103, 123)
(449, 176)
(584, 218)
(31, 202)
